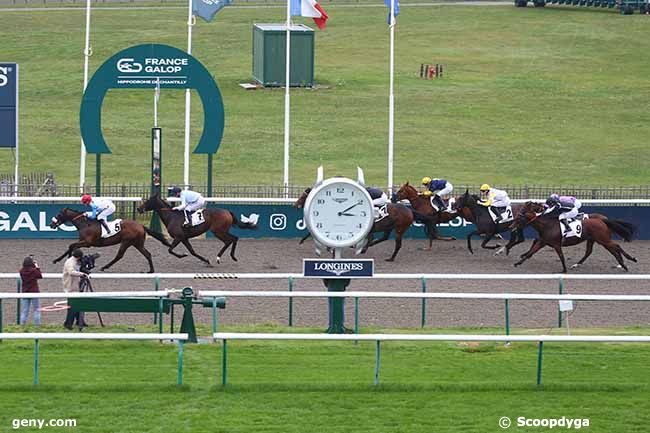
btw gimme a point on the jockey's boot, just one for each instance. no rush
(496, 212)
(103, 222)
(188, 216)
(567, 227)
(438, 201)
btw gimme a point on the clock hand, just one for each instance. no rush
(354, 205)
(347, 214)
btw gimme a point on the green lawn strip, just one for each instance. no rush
(530, 96)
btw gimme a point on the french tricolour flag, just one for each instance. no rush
(309, 8)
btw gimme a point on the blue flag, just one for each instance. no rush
(207, 9)
(387, 3)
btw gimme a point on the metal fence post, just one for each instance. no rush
(180, 362)
(36, 361)
(377, 362)
(156, 287)
(291, 302)
(224, 355)
(356, 316)
(424, 303)
(507, 317)
(539, 363)
(559, 312)
(214, 315)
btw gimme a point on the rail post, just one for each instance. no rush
(160, 313)
(214, 314)
(35, 361)
(559, 312)
(180, 362)
(539, 363)
(156, 287)
(356, 316)
(224, 356)
(377, 362)
(291, 302)
(424, 303)
(18, 290)
(507, 317)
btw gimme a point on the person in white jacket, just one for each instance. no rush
(71, 278)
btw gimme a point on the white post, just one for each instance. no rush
(186, 156)
(87, 54)
(156, 97)
(287, 84)
(16, 179)
(391, 99)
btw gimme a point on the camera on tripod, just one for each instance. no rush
(88, 262)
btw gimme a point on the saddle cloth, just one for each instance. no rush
(115, 226)
(576, 229)
(381, 213)
(450, 203)
(197, 218)
(506, 216)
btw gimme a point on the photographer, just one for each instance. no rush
(30, 273)
(71, 278)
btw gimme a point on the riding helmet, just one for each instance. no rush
(485, 187)
(426, 180)
(86, 199)
(173, 191)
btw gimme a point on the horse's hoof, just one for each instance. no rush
(218, 260)
(575, 266)
(234, 258)
(499, 251)
(103, 269)
(516, 264)
(425, 249)
(182, 256)
(390, 260)
(633, 259)
(151, 271)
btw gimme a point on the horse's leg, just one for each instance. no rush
(71, 247)
(398, 246)
(516, 240)
(537, 245)
(233, 241)
(469, 240)
(191, 250)
(487, 239)
(588, 251)
(369, 240)
(627, 256)
(140, 247)
(611, 246)
(304, 238)
(382, 239)
(173, 245)
(120, 253)
(560, 254)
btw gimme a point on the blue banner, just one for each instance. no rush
(8, 104)
(25, 221)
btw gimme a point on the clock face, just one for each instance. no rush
(339, 213)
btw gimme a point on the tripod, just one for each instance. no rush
(85, 286)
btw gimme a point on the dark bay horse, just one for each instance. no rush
(218, 221)
(468, 207)
(425, 213)
(132, 234)
(399, 219)
(594, 230)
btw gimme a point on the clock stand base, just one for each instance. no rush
(336, 306)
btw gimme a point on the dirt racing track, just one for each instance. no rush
(281, 256)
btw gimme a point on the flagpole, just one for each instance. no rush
(287, 84)
(391, 98)
(87, 54)
(186, 155)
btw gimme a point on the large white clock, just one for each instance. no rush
(339, 213)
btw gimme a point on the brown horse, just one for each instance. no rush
(399, 219)
(594, 230)
(132, 234)
(425, 213)
(218, 221)
(468, 207)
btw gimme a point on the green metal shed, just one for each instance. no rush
(269, 59)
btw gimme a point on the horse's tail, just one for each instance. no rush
(622, 228)
(158, 236)
(241, 225)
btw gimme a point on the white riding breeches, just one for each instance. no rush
(196, 205)
(501, 203)
(446, 190)
(103, 215)
(570, 214)
(380, 201)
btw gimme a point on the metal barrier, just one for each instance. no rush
(37, 336)
(540, 339)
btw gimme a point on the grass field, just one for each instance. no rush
(553, 96)
(324, 386)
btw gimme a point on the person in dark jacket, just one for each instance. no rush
(30, 273)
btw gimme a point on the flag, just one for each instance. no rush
(207, 9)
(311, 9)
(396, 11)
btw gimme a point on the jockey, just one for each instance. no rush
(567, 206)
(379, 199)
(101, 208)
(495, 199)
(437, 188)
(190, 201)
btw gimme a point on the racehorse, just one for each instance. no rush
(468, 207)
(593, 230)
(131, 234)
(425, 213)
(218, 221)
(399, 218)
